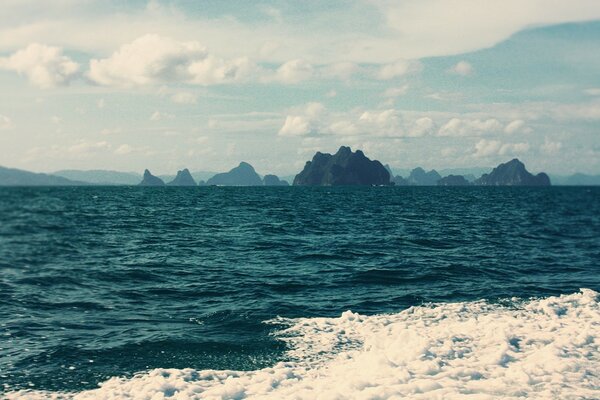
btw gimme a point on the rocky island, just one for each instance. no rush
(183, 178)
(273, 180)
(343, 168)
(151, 180)
(453, 180)
(512, 173)
(242, 175)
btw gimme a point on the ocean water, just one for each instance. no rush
(296, 292)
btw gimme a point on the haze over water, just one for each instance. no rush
(101, 282)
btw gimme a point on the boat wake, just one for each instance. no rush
(538, 348)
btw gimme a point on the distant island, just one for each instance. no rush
(345, 167)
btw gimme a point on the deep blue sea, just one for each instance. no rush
(104, 282)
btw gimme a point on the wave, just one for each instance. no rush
(537, 348)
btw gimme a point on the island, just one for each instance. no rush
(512, 173)
(343, 168)
(242, 175)
(183, 178)
(151, 180)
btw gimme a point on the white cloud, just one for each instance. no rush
(5, 122)
(304, 121)
(486, 148)
(341, 70)
(592, 91)
(295, 125)
(184, 98)
(514, 126)
(56, 120)
(385, 123)
(550, 147)
(469, 127)
(342, 127)
(396, 91)
(398, 68)
(44, 66)
(159, 116)
(294, 71)
(123, 149)
(331, 94)
(421, 127)
(462, 68)
(437, 27)
(101, 103)
(411, 29)
(84, 148)
(152, 59)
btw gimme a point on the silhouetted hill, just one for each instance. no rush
(343, 168)
(419, 177)
(151, 180)
(242, 175)
(183, 178)
(101, 177)
(512, 173)
(19, 177)
(273, 180)
(453, 180)
(400, 181)
(577, 179)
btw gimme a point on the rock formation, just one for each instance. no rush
(453, 180)
(512, 173)
(183, 178)
(273, 180)
(400, 181)
(242, 175)
(343, 168)
(151, 180)
(419, 177)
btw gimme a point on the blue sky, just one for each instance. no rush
(92, 84)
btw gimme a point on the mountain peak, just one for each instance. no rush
(343, 168)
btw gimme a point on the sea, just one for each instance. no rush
(300, 293)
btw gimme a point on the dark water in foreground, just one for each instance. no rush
(99, 282)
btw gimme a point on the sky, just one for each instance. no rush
(172, 84)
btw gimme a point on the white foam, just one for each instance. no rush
(543, 349)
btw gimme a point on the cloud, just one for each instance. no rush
(398, 68)
(385, 122)
(305, 120)
(340, 70)
(295, 125)
(123, 149)
(592, 91)
(83, 148)
(152, 59)
(184, 98)
(457, 127)
(436, 27)
(396, 91)
(5, 122)
(550, 147)
(409, 29)
(294, 71)
(515, 126)
(421, 127)
(159, 116)
(462, 68)
(486, 148)
(44, 66)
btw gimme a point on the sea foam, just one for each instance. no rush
(540, 348)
